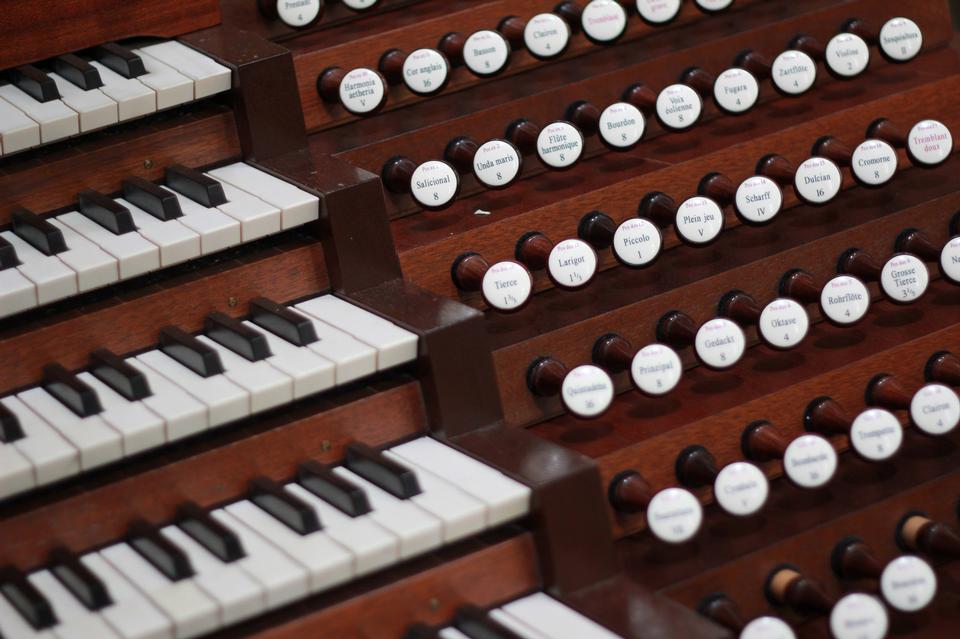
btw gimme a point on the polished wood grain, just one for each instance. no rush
(92, 510)
(79, 24)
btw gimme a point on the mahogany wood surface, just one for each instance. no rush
(212, 468)
(796, 532)
(79, 24)
(565, 324)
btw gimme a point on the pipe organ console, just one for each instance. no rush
(477, 319)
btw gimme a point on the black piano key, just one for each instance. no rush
(75, 69)
(477, 624)
(105, 211)
(8, 255)
(10, 430)
(333, 489)
(378, 469)
(35, 83)
(282, 321)
(28, 601)
(159, 551)
(70, 390)
(195, 185)
(190, 352)
(236, 336)
(210, 533)
(297, 515)
(37, 232)
(421, 631)
(116, 373)
(119, 59)
(151, 198)
(79, 580)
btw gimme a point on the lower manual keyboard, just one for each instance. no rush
(214, 568)
(122, 407)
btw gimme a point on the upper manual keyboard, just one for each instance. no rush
(74, 94)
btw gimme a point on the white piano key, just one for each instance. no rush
(517, 626)
(554, 619)
(131, 614)
(56, 119)
(75, 621)
(267, 386)
(14, 626)
(171, 88)
(237, 594)
(209, 77)
(177, 243)
(54, 279)
(17, 131)
(372, 546)
(257, 218)
(461, 514)
(418, 530)
(225, 401)
(97, 442)
(452, 633)
(140, 428)
(95, 109)
(283, 580)
(94, 267)
(505, 498)
(192, 611)
(182, 414)
(353, 358)
(134, 253)
(16, 471)
(216, 229)
(394, 345)
(310, 372)
(134, 99)
(298, 207)
(51, 455)
(327, 562)
(17, 293)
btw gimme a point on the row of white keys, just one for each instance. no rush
(17, 293)
(16, 471)
(170, 87)
(191, 610)
(505, 498)
(237, 594)
(310, 372)
(209, 77)
(267, 386)
(94, 267)
(326, 561)
(53, 279)
(372, 546)
(56, 119)
(283, 580)
(551, 618)
(183, 415)
(134, 99)
(257, 218)
(296, 205)
(132, 615)
(14, 626)
(17, 131)
(97, 442)
(462, 515)
(394, 345)
(51, 456)
(93, 107)
(74, 620)
(216, 229)
(176, 242)
(135, 254)
(225, 401)
(140, 428)
(418, 530)
(353, 359)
